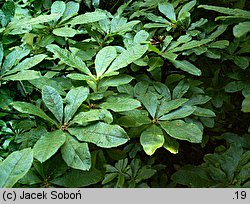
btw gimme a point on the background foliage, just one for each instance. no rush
(145, 93)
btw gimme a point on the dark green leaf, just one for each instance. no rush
(151, 139)
(65, 32)
(204, 112)
(187, 7)
(168, 10)
(192, 176)
(238, 13)
(71, 9)
(78, 178)
(68, 58)
(48, 145)
(29, 108)
(76, 154)
(181, 88)
(126, 57)
(14, 167)
(118, 104)
(167, 106)
(150, 102)
(182, 112)
(27, 64)
(101, 134)
(53, 102)
(89, 17)
(83, 118)
(24, 75)
(187, 67)
(184, 131)
(1, 53)
(134, 118)
(74, 99)
(116, 80)
(103, 59)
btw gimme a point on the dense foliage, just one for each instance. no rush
(146, 93)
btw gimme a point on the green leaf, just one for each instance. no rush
(221, 29)
(65, 32)
(179, 129)
(76, 154)
(141, 36)
(58, 7)
(71, 9)
(89, 17)
(126, 57)
(116, 80)
(181, 88)
(151, 139)
(8, 9)
(168, 10)
(187, 67)
(118, 104)
(193, 176)
(234, 86)
(27, 64)
(246, 104)
(145, 173)
(198, 99)
(140, 89)
(204, 112)
(24, 25)
(83, 118)
(150, 102)
(68, 58)
(242, 62)
(74, 99)
(171, 144)
(163, 90)
(48, 145)
(29, 108)
(109, 177)
(167, 106)
(220, 44)
(182, 112)
(24, 75)
(31, 178)
(44, 81)
(53, 102)
(78, 178)
(77, 76)
(1, 53)
(101, 134)
(187, 7)
(241, 29)
(155, 25)
(157, 19)
(55, 167)
(29, 138)
(155, 62)
(126, 89)
(238, 13)
(14, 167)
(134, 118)
(103, 59)
(124, 27)
(13, 58)
(190, 45)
